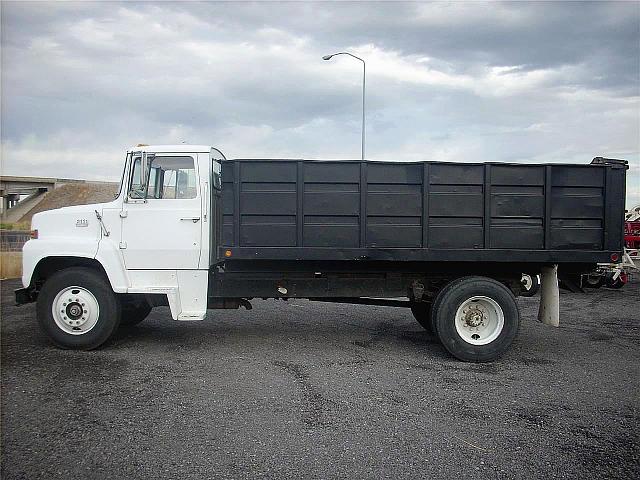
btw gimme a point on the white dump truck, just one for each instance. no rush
(195, 231)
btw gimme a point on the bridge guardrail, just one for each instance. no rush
(13, 240)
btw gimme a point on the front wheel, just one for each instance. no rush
(77, 309)
(476, 318)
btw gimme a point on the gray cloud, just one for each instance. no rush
(452, 81)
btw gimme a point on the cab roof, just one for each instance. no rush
(181, 148)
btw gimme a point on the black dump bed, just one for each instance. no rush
(423, 211)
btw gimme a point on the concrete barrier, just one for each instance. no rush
(10, 264)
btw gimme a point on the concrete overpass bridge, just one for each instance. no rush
(21, 194)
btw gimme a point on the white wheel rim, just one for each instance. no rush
(527, 282)
(479, 320)
(75, 310)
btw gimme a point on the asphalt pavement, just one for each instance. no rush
(315, 390)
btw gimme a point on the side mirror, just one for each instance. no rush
(144, 171)
(139, 176)
(217, 174)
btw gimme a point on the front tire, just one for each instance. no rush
(77, 309)
(476, 318)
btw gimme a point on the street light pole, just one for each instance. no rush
(364, 79)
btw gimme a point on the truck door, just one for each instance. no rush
(162, 221)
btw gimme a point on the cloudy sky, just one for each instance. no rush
(517, 82)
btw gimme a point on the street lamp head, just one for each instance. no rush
(364, 73)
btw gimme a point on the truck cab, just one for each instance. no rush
(154, 238)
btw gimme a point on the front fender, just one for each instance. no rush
(35, 251)
(105, 253)
(110, 257)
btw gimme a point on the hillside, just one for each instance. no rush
(73, 194)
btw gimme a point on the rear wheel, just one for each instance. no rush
(77, 309)
(476, 318)
(135, 309)
(530, 284)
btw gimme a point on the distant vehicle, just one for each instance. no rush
(632, 230)
(617, 275)
(194, 231)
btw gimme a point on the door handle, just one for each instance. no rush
(193, 219)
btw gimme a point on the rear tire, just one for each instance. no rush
(476, 318)
(135, 309)
(530, 284)
(422, 313)
(77, 309)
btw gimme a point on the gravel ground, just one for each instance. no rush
(312, 390)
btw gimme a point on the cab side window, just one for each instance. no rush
(172, 178)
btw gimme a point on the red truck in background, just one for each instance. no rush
(616, 275)
(632, 229)
(632, 235)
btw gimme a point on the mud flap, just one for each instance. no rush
(549, 311)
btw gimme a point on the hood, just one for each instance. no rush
(78, 221)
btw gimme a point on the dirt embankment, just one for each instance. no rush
(73, 194)
(63, 196)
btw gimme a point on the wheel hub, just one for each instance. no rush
(473, 317)
(479, 320)
(75, 310)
